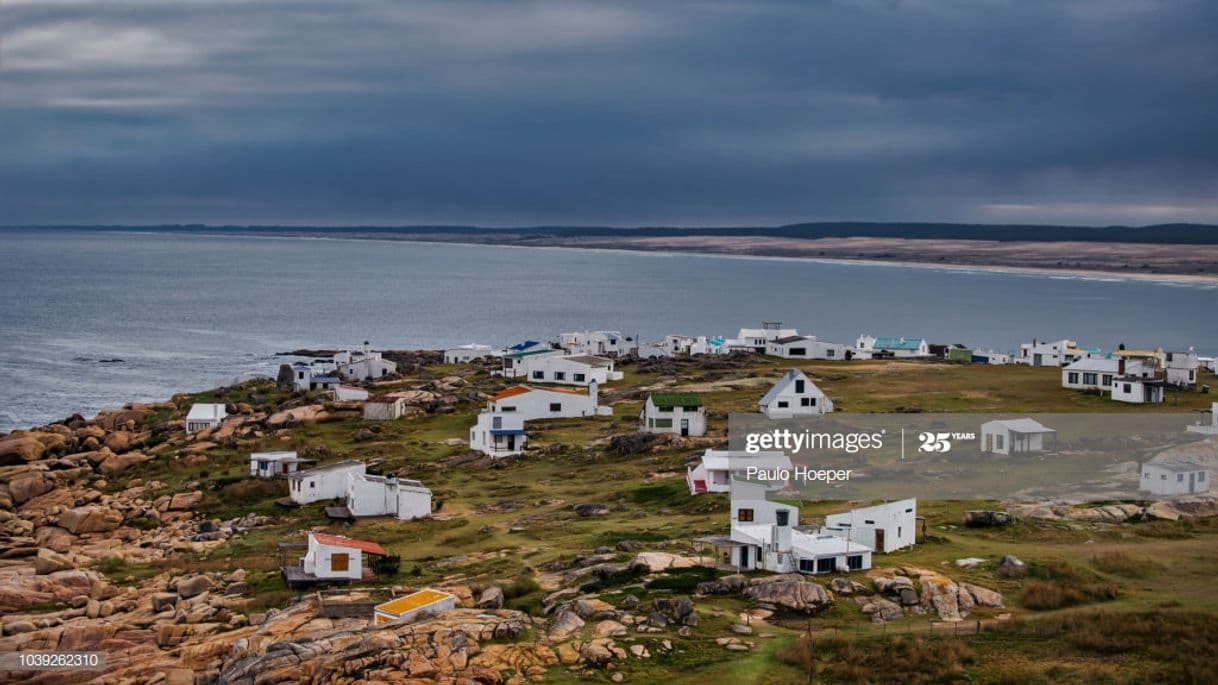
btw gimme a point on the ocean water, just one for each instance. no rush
(184, 312)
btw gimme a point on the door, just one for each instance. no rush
(511, 442)
(1192, 483)
(744, 557)
(1037, 360)
(879, 539)
(685, 428)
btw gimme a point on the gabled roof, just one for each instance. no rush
(787, 378)
(517, 390)
(349, 543)
(328, 467)
(676, 399)
(1021, 425)
(206, 412)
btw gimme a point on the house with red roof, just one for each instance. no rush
(332, 558)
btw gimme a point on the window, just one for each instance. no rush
(539, 375)
(898, 531)
(854, 562)
(1089, 379)
(744, 515)
(831, 353)
(556, 406)
(1107, 380)
(340, 562)
(663, 423)
(799, 387)
(798, 352)
(783, 404)
(998, 440)
(1163, 477)
(508, 410)
(807, 565)
(1179, 477)
(1072, 378)
(826, 565)
(805, 401)
(1201, 476)
(782, 517)
(579, 378)
(870, 523)
(1128, 387)
(497, 423)
(560, 375)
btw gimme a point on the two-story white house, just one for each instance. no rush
(315, 375)
(794, 395)
(1053, 353)
(363, 364)
(764, 536)
(884, 527)
(1182, 368)
(673, 412)
(598, 343)
(498, 435)
(756, 339)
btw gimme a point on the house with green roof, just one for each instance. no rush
(681, 413)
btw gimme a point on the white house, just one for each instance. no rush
(275, 464)
(363, 364)
(1210, 428)
(316, 375)
(991, 357)
(653, 350)
(1013, 436)
(515, 362)
(884, 527)
(579, 369)
(1135, 389)
(465, 354)
(672, 412)
(334, 557)
(531, 403)
(794, 395)
(425, 602)
(900, 347)
(203, 416)
(498, 435)
(349, 393)
(1210, 363)
(1053, 353)
(602, 343)
(715, 470)
(384, 408)
(1091, 373)
(1181, 368)
(1171, 477)
(756, 339)
(323, 482)
(694, 345)
(806, 347)
(369, 495)
(764, 537)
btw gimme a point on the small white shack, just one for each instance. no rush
(1013, 436)
(794, 395)
(384, 408)
(322, 483)
(334, 557)
(680, 413)
(203, 416)
(714, 471)
(464, 354)
(369, 495)
(884, 528)
(275, 464)
(1173, 477)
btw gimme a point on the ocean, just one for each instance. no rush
(96, 318)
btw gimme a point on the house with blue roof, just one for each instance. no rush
(890, 346)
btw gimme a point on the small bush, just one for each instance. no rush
(1044, 595)
(523, 585)
(386, 566)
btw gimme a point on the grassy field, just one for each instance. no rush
(507, 521)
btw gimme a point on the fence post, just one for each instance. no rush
(978, 626)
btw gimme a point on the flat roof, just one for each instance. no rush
(415, 600)
(724, 460)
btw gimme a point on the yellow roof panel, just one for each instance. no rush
(415, 600)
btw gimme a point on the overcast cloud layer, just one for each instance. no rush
(697, 113)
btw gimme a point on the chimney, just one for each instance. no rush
(1121, 366)
(782, 530)
(593, 394)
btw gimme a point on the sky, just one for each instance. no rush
(703, 113)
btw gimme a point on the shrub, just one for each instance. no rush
(387, 565)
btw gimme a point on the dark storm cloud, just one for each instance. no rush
(568, 112)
